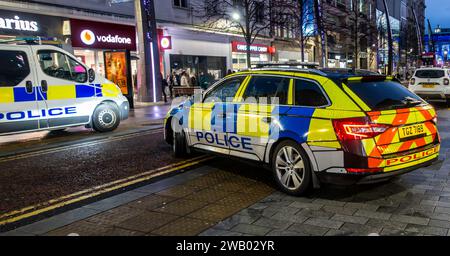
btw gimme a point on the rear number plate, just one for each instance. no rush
(412, 131)
(429, 86)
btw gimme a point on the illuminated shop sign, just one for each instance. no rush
(254, 48)
(22, 24)
(99, 35)
(165, 42)
(17, 23)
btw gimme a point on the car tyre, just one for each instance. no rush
(106, 118)
(291, 168)
(179, 145)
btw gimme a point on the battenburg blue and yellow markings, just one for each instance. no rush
(35, 114)
(58, 92)
(233, 141)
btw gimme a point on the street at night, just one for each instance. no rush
(225, 127)
(214, 197)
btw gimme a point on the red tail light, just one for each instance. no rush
(357, 129)
(446, 81)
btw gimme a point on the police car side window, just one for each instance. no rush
(268, 90)
(14, 68)
(59, 65)
(226, 91)
(309, 94)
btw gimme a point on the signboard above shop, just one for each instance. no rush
(99, 35)
(21, 24)
(254, 48)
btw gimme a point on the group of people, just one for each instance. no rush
(184, 78)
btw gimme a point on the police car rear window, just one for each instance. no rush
(14, 68)
(383, 95)
(430, 73)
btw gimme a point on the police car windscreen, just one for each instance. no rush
(430, 73)
(384, 95)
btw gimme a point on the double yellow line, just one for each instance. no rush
(66, 200)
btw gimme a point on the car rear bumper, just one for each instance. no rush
(433, 95)
(351, 179)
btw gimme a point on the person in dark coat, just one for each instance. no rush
(164, 84)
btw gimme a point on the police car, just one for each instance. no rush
(309, 126)
(45, 88)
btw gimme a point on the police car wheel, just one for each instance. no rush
(291, 168)
(106, 118)
(179, 146)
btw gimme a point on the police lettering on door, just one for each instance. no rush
(29, 114)
(225, 140)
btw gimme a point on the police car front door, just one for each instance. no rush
(211, 119)
(18, 92)
(257, 112)
(68, 97)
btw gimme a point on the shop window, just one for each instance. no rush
(268, 90)
(180, 3)
(226, 91)
(15, 68)
(59, 65)
(309, 94)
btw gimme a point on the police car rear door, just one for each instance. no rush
(18, 96)
(64, 87)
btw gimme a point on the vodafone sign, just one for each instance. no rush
(99, 35)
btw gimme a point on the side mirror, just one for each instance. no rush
(91, 75)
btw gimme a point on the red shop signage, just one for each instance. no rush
(254, 48)
(99, 35)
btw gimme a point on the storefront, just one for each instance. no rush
(107, 49)
(259, 53)
(20, 27)
(199, 57)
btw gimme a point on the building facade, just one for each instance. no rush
(407, 19)
(441, 44)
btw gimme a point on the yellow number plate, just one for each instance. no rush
(412, 131)
(428, 86)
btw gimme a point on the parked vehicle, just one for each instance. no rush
(431, 84)
(46, 88)
(323, 127)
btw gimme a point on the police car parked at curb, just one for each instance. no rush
(332, 128)
(46, 88)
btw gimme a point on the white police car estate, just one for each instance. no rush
(46, 88)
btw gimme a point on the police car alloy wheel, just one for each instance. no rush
(291, 168)
(106, 118)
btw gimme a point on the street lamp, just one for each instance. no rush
(235, 16)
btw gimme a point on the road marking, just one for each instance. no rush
(98, 190)
(79, 145)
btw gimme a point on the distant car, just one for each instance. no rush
(431, 84)
(322, 127)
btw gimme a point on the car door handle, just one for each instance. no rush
(267, 120)
(29, 87)
(221, 115)
(44, 86)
